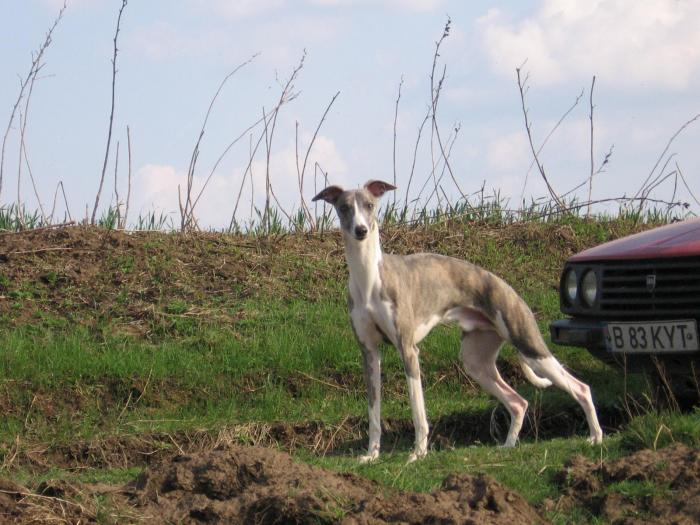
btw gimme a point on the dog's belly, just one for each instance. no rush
(467, 318)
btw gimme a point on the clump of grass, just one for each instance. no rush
(659, 428)
(17, 218)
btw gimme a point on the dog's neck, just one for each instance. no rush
(363, 258)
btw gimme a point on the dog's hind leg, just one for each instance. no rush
(479, 352)
(552, 369)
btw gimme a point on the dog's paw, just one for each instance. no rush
(368, 458)
(416, 455)
(510, 443)
(595, 440)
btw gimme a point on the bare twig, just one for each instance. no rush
(685, 183)
(248, 171)
(23, 153)
(307, 211)
(600, 170)
(218, 161)
(396, 118)
(522, 88)
(33, 70)
(186, 212)
(590, 182)
(643, 191)
(415, 155)
(65, 201)
(111, 112)
(116, 188)
(546, 139)
(435, 95)
(128, 190)
(287, 94)
(451, 139)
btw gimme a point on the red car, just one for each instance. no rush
(636, 302)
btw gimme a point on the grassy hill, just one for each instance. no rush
(120, 348)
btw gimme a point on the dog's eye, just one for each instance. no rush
(370, 206)
(344, 208)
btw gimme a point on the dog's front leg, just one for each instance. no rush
(372, 374)
(409, 354)
(369, 338)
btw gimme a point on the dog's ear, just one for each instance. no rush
(378, 188)
(330, 194)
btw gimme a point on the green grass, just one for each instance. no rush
(264, 367)
(216, 360)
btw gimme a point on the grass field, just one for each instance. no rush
(112, 343)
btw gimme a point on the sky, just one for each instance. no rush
(173, 55)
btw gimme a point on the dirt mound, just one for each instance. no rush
(256, 485)
(663, 485)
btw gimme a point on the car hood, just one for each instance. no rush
(674, 240)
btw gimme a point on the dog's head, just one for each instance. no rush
(357, 209)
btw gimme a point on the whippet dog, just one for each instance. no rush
(399, 299)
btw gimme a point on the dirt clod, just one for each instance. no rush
(660, 484)
(257, 485)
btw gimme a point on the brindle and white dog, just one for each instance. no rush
(399, 299)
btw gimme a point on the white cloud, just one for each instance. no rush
(283, 171)
(625, 42)
(156, 185)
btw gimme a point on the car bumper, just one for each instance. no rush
(578, 332)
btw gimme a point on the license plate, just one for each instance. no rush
(653, 337)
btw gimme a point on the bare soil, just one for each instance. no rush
(237, 484)
(260, 485)
(601, 488)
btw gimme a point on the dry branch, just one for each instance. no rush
(23, 153)
(415, 155)
(111, 112)
(435, 95)
(187, 219)
(590, 182)
(248, 170)
(287, 95)
(396, 118)
(116, 189)
(33, 71)
(522, 88)
(300, 175)
(128, 190)
(546, 139)
(647, 186)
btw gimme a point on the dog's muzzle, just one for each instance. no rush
(360, 232)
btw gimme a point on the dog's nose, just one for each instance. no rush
(360, 231)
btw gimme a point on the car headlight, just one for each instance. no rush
(589, 287)
(570, 286)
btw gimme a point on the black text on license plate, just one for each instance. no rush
(665, 336)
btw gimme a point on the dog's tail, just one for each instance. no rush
(530, 375)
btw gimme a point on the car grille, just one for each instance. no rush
(660, 287)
